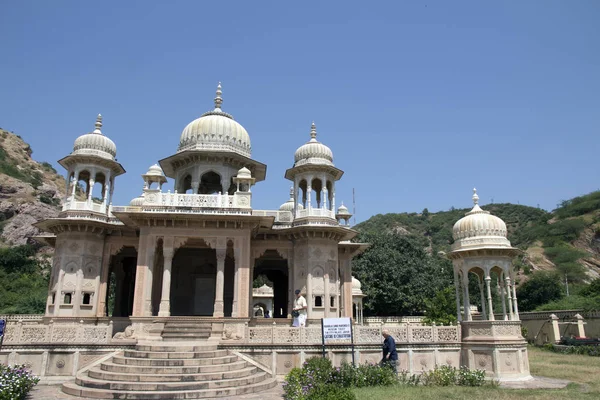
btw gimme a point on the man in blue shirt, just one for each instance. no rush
(390, 356)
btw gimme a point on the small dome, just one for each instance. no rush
(356, 287)
(138, 201)
(95, 143)
(215, 131)
(343, 210)
(289, 205)
(155, 170)
(313, 152)
(244, 173)
(479, 228)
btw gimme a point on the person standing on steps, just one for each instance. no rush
(299, 310)
(390, 356)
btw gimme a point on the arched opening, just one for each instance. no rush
(275, 268)
(83, 182)
(121, 283)
(98, 189)
(477, 293)
(186, 184)
(317, 188)
(210, 183)
(302, 196)
(232, 187)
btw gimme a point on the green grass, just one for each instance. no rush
(581, 370)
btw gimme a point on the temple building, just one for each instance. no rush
(195, 251)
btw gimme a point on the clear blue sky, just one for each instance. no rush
(419, 101)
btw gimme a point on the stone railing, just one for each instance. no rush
(315, 212)
(22, 317)
(406, 333)
(30, 331)
(84, 206)
(479, 329)
(562, 314)
(393, 320)
(281, 217)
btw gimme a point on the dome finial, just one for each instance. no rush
(98, 124)
(218, 99)
(313, 131)
(291, 192)
(475, 197)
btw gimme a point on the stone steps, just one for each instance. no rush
(98, 373)
(155, 370)
(75, 390)
(186, 331)
(170, 371)
(173, 362)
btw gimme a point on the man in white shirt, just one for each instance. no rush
(299, 310)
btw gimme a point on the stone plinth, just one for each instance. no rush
(496, 347)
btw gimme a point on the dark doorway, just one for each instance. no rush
(275, 268)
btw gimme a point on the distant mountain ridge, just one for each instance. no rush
(566, 240)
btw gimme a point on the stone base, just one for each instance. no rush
(496, 347)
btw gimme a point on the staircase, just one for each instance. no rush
(186, 331)
(164, 371)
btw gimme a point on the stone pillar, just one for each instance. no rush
(309, 301)
(195, 187)
(220, 284)
(466, 302)
(500, 287)
(484, 315)
(326, 300)
(555, 329)
(291, 287)
(140, 274)
(515, 306)
(75, 177)
(90, 188)
(580, 328)
(101, 310)
(308, 196)
(58, 298)
(165, 298)
(489, 298)
(237, 255)
(511, 316)
(347, 285)
(151, 252)
(457, 294)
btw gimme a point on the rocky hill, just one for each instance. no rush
(29, 191)
(566, 240)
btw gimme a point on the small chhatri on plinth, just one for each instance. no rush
(491, 343)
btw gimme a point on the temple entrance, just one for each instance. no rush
(121, 283)
(193, 280)
(275, 269)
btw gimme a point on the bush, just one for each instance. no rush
(331, 392)
(15, 382)
(468, 377)
(446, 375)
(589, 350)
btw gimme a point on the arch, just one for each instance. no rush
(98, 188)
(210, 183)
(303, 186)
(186, 184)
(83, 182)
(317, 187)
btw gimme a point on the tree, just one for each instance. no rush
(541, 288)
(398, 276)
(441, 309)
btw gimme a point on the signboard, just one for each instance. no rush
(337, 329)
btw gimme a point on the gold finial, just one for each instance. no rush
(98, 124)
(218, 99)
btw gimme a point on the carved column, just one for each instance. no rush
(484, 315)
(309, 299)
(220, 284)
(101, 310)
(151, 252)
(489, 298)
(500, 287)
(509, 295)
(140, 274)
(165, 298)
(466, 302)
(237, 255)
(515, 306)
(195, 186)
(457, 293)
(326, 300)
(291, 287)
(308, 195)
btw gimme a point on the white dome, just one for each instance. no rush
(138, 201)
(479, 228)
(155, 170)
(244, 173)
(95, 143)
(313, 152)
(289, 205)
(356, 287)
(343, 210)
(215, 131)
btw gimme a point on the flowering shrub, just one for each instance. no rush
(446, 375)
(15, 382)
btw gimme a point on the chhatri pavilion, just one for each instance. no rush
(195, 251)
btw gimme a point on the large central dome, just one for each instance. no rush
(216, 131)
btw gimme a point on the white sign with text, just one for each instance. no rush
(337, 329)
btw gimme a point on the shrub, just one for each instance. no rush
(331, 392)
(470, 377)
(15, 382)
(446, 375)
